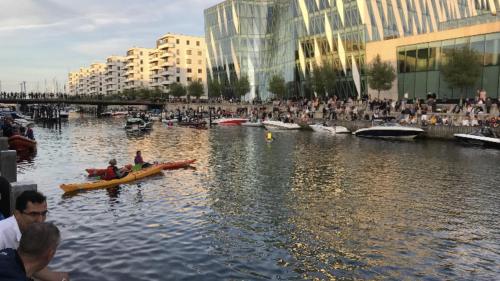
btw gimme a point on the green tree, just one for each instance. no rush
(277, 86)
(330, 77)
(195, 89)
(317, 81)
(214, 88)
(241, 86)
(462, 69)
(381, 74)
(177, 90)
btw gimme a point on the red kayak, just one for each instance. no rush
(22, 144)
(166, 166)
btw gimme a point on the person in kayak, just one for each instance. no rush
(112, 172)
(139, 161)
(29, 132)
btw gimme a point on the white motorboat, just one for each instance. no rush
(63, 114)
(137, 125)
(389, 131)
(484, 136)
(253, 124)
(280, 125)
(322, 128)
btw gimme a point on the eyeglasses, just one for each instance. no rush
(36, 214)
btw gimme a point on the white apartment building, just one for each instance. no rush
(97, 77)
(114, 81)
(73, 78)
(137, 68)
(178, 58)
(83, 81)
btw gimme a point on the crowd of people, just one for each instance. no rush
(10, 128)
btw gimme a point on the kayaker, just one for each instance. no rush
(112, 172)
(139, 161)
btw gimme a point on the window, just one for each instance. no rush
(141, 69)
(178, 60)
(141, 62)
(187, 42)
(199, 53)
(189, 52)
(178, 79)
(189, 79)
(178, 52)
(197, 43)
(177, 41)
(189, 70)
(200, 80)
(199, 61)
(178, 70)
(199, 70)
(188, 61)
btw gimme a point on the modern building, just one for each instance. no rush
(290, 37)
(96, 79)
(114, 81)
(178, 58)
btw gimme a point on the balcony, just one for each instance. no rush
(167, 63)
(155, 59)
(167, 73)
(166, 55)
(166, 46)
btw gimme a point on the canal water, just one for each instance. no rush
(304, 207)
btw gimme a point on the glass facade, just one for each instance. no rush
(419, 65)
(260, 38)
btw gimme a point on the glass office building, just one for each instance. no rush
(260, 38)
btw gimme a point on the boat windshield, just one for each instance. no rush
(485, 132)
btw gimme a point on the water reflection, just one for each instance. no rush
(306, 206)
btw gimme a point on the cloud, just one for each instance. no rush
(103, 48)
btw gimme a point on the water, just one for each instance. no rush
(304, 207)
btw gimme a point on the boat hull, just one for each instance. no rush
(389, 132)
(331, 130)
(478, 140)
(278, 125)
(22, 144)
(94, 172)
(230, 121)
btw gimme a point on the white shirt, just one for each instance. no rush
(10, 235)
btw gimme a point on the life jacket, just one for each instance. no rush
(110, 173)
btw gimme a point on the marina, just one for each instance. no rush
(305, 206)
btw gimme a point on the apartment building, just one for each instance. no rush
(97, 78)
(137, 68)
(114, 81)
(178, 58)
(73, 78)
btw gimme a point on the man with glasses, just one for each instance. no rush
(31, 207)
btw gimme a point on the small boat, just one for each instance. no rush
(63, 114)
(133, 176)
(484, 136)
(94, 172)
(389, 131)
(280, 125)
(322, 128)
(137, 125)
(22, 144)
(230, 121)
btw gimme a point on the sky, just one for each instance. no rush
(41, 41)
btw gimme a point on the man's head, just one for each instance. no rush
(31, 207)
(38, 245)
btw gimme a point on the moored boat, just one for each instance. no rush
(280, 125)
(230, 121)
(389, 131)
(322, 128)
(484, 136)
(22, 144)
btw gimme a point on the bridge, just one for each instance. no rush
(80, 101)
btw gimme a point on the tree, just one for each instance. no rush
(277, 86)
(241, 86)
(381, 74)
(195, 89)
(462, 69)
(214, 88)
(330, 77)
(177, 90)
(317, 81)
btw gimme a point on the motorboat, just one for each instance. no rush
(484, 136)
(230, 121)
(323, 128)
(256, 123)
(63, 114)
(280, 125)
(389, 130)
(137, 125)
(22, 144)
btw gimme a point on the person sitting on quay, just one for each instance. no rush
(31, 207)
(7, 128)
(138, 161)
(37, 247)
(112, 172)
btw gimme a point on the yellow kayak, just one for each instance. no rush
(146, 172)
